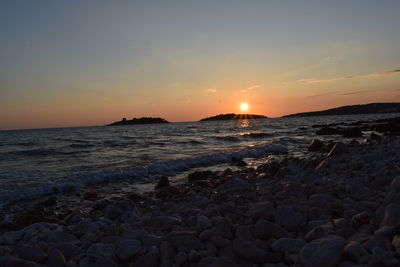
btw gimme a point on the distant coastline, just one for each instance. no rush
(372, 108)
(144, 120)
(233, 116)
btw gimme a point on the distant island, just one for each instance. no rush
(353, 109)
(144, 120)
(233, 116)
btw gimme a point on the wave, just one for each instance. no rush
(145, 173)
(227, 138)
(256, 135)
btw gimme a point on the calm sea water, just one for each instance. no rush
(37, 162)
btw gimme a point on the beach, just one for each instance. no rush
(338, 206)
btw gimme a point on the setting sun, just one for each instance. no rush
(244, 107)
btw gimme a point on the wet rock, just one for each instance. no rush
(249, 251)
(60, 237)
(381, 257)
(163, 223)
(244, 232)
(328, 131)
(15, 262)
(181, 257)
(199, 175)
(31, 253)
(127, 249)
(163, 182)
(148, 260)
(68, 250)
(360, 219)
(377, 241)
(354, 251)
(91, 196)
(338, 149)
(184, 240)
(235, 185)
(290, 245)
(316, 145)
(322, 252)
(167, 192)
(238, 162)
(207, 234)
(223, 226)
(393, 196)
(265, 230)
(352, 132)
(290, 218)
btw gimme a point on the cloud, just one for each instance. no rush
(354, 92)
(245, 90)
(376, 74)
(211, 90)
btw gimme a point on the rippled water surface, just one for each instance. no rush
(35, 162)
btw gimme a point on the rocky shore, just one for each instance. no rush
(338, 207)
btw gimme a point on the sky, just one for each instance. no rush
(92, 62)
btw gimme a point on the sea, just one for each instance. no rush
(39, 162)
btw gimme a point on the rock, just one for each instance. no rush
(56, 258)
(338, 149)
(68, 250)
(148, 260)
(328, 131)
(217, 262)
(207, 234)
(234, 185)
(181, 258)
(103, 261)
(262, 210)
(381, 257)
(352, 132)
(393, 196)
(163, 182)
(167, 192)
(360, 219)
(223, 226)
(91, 196)
(127, 249)
(194, 256)
(316, 145)
(290, 218)
(322, 252)
(392, 215)
(14, 262)
(265, 230)
(31, 253)
(102, 249)
(60, 237)
(199, 175)
(167, 254)
(249, 251)
(203, 222)
(238, 162)
(184, 240)
(354, 251)
(163, 222)
(220, 242)
(244, 232)
(377, 241)
(290, 245)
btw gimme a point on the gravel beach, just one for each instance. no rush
(338, 207)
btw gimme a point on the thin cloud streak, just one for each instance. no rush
(344, 93)
(376, 74)
(211, 90)
(245, 90)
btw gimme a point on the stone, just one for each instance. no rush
(265, 230)
(377, 241)
(262, 210)
(381, 257)
(102, 249)
(217, 262)
(220, 242)
(181, 257)
(290, 245)
(68, 250)
(163, 182)
(148, 260)
(56, 258)
(392, 215)
(328, 131)
(103, 261)
(393, 196)
(203, 222)
(199, 175)
(167, 254)
(234, 185)
(338, 149)
(184, 240)
(31, 253)
(322, 252)
(249, 251)
(91, 196)
(207, 234)
(244, 232)
(223, 226)
(290, 218)
(127, 249)
(163, 222)
(60, 237)
(354, 251)
(15, 262)
(360, 219)
(316, 145)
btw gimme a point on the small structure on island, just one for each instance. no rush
(144, 120)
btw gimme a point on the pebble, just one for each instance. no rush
(31, 253)
(127, 249)
(322, 252)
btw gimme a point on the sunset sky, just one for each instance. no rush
(73, 63)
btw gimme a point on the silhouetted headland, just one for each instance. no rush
(372, 108)
(233, 116)
(144, 120)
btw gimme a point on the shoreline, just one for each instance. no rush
(344, 207)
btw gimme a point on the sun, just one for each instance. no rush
(244, 107)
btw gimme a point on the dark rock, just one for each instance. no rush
(238, 162)
(249, 251)
(184, 240)
(290, 217)
(91, 196)
(127, 249)
(167, 254)
(316, 145)
(290, 245)
(265, 230)
(14, 262)
(338, 149)
(354, 251)
(148, 260)
(392, 215)
(328, 131)
(377, 241)
(68, 250)
(167, 192)
(56, 258)
(352, 132)
(322, 252)
(31, 253)
(162, 223)
(199, 175)
(163, 182)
